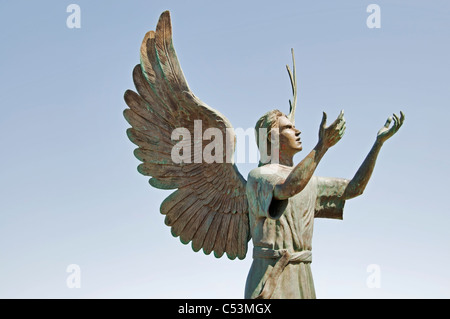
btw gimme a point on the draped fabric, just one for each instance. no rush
(287, 226)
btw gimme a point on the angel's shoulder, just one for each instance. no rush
(268, 172)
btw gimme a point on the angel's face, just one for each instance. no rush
(289, 136)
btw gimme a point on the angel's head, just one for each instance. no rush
(275, 126)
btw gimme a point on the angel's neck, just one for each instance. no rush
(286, 160)
(283, 159)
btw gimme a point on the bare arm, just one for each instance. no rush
(359, 182)
(303, 171)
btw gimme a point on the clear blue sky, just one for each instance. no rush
(70, 192)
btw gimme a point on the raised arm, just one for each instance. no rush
(359, 182)
(303, 171)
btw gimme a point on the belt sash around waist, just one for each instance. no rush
(284, 258)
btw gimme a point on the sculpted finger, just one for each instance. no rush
(339, 121)
(324, 120)
(340, 124)
(388, 122)
(342, 130)
(396, 122)
(402, 117)
(338, 137)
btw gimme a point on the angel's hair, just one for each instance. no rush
(267, 122)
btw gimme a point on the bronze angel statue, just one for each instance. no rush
(213, 206)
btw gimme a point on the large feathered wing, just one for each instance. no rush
(209, 207)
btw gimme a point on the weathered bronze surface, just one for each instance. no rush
(213, 206)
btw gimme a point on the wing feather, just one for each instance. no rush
(192, 226)
(184, 218)
(178, 209)
(208, 244)
(154, 104)
(221, 236)
(167, 56)
(202, 231)
(233, 228)
(209, 204)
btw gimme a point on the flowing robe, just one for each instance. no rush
(286, 226)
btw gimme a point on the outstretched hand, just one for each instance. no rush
(387, 132)
(332, 134)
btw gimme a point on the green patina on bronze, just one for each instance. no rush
(213, 206)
